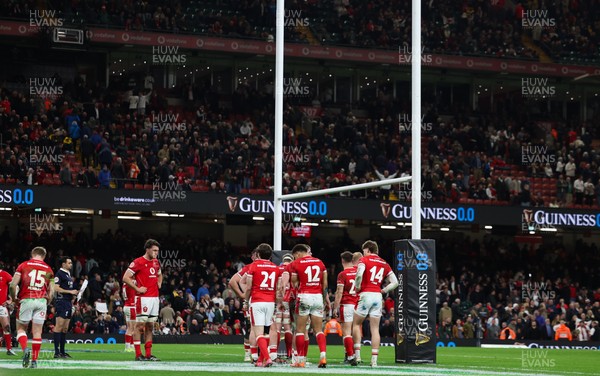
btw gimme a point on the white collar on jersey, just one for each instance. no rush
(66, 271)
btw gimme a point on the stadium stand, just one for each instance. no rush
(476, 28)
(218, 150)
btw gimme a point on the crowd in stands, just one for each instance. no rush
(487, 28)
(482, 286)
(448, 27)
(111, 139)
(573, 39)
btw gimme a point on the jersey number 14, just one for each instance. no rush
(376, 275)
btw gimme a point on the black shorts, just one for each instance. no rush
(247, 328)
(64, 308)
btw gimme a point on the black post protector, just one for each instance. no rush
(415, 268)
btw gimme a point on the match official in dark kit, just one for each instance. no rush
(63, 304)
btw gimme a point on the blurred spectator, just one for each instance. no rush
(104, 177)
(195, 328)
(167, 315)
(95, 288)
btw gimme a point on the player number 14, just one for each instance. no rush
(376, 276)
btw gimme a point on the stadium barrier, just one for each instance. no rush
(322, 208)
(207, 339)
(204, 339)
(533, 344)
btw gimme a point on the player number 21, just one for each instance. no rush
(268, 281)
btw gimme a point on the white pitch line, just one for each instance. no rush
(510, 370)
(422, 370)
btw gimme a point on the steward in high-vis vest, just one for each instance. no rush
(333, 327)
(507, 332)
(563, 332)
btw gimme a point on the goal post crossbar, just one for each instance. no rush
(346, 188)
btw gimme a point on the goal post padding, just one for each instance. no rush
(415, 268)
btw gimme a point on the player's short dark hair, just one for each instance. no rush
(38, 251)
(64, 259)
(151, 243)
(300, 248)
(346, 257)
(264, 251)
(371, 246)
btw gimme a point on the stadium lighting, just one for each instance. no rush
(548, 229)
(6, 209)
(531, 232)
(488, 227)
(445, 229)
(387, 227)
(335, 221)
(258, 218)
(314, 224)
(129, 212)
(168, 215)
(134, 217)
(79, 211)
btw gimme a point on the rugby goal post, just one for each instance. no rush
(415, 246)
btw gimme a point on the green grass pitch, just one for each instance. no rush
(181, 360)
